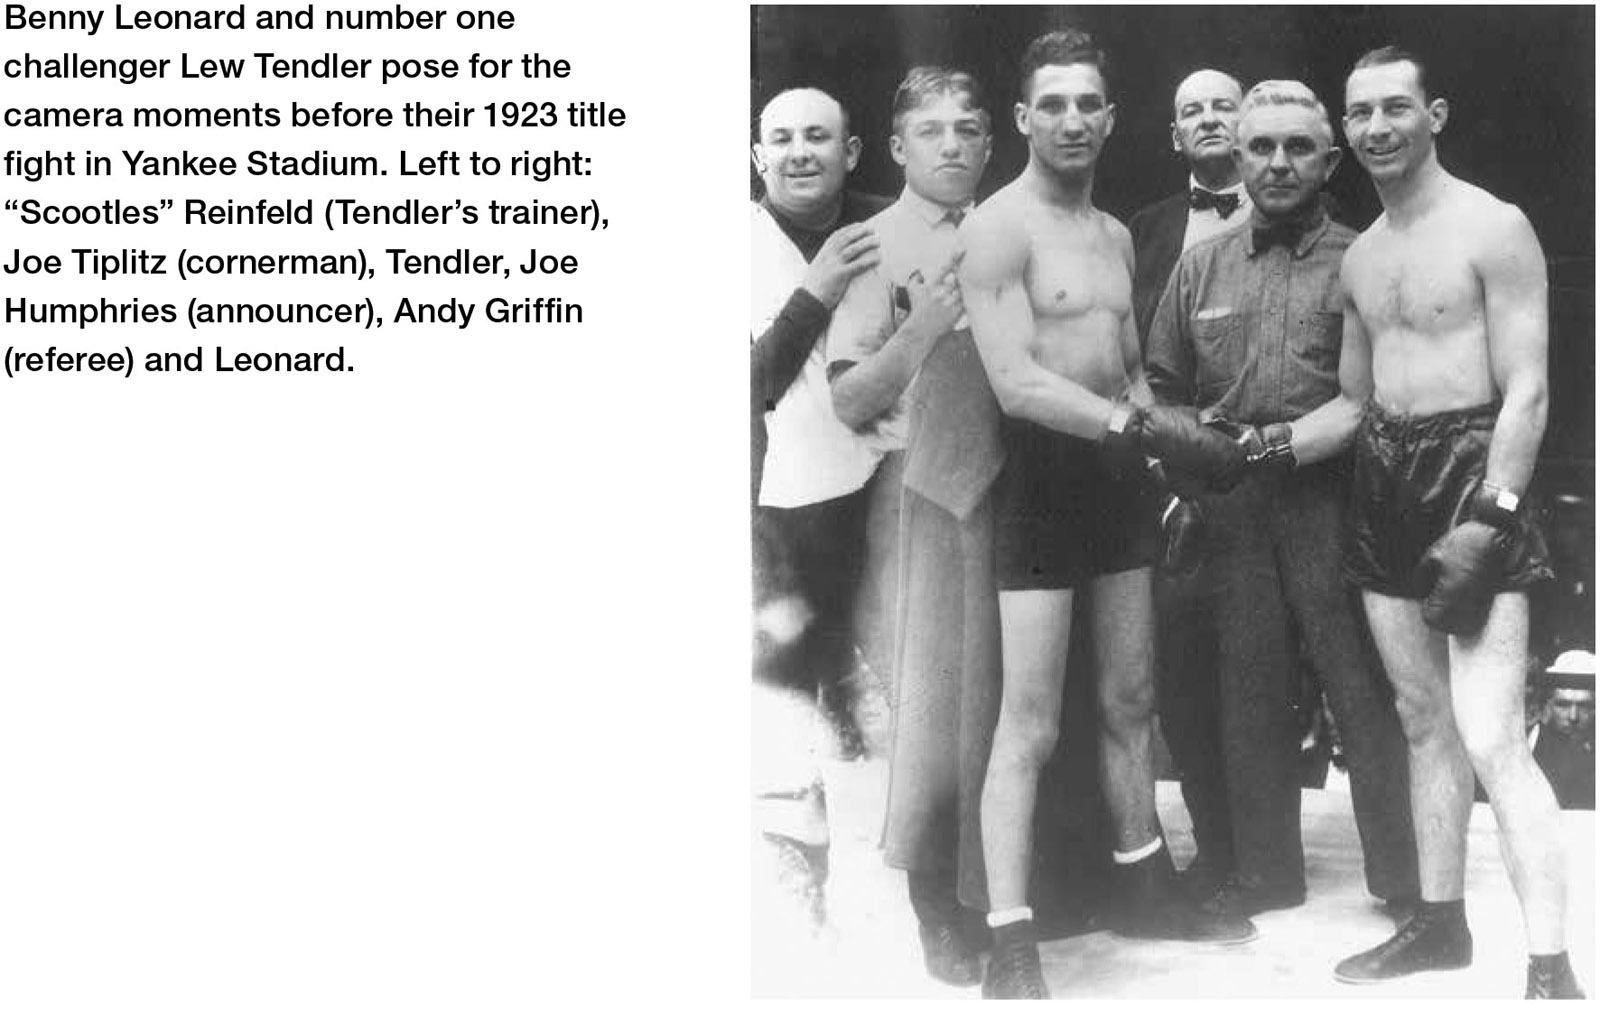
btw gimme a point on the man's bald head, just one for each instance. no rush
(1203, 83)
(1205, 118)
(780, 104)
(803, 151)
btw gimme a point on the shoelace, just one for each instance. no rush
(1405, 935)
(1021, 964)
(1227, 894)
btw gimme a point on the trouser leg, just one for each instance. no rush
(1309, 518)
(1186, 674)
(1260, 732)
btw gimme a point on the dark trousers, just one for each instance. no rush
(1274, 574)
(816, 552)
(1190, 709)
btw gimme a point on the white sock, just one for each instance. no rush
(1135, 855)
(1001, 917)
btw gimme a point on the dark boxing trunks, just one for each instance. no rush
(1410, 476)
(1062, 518)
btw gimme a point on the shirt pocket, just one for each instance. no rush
(1218, 356)
(1317, 341)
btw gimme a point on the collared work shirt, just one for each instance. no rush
(1252, 335)
(915, 236)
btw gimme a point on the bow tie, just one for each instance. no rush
(954, 217)
(1285, 233)
(1223, 202)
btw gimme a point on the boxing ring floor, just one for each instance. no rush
(871, 950)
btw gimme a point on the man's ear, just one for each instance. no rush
(1177, 140)
(1439, 113)
(1335, 155)
(852, 152)
(757, 159)
(1111, 117)
(1020, 115)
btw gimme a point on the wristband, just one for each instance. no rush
(1275, 446)
(1121, 415)
(1495, 505)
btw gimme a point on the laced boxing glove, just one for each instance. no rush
(1461, 572)
(1266, 449)
(1183, 534)
(1174, 435)
(1183, 525)
(1121, 440)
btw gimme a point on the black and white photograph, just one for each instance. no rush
(1172, 502)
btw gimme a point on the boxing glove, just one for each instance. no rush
(1461, 572)
(1266, 449)
(1121, 441)
(1174, 435)
(1183, 533)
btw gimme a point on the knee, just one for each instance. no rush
(1491, 745)
(1424, 719)
(1128, 708)
(1025, 738)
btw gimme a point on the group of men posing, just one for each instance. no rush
(1230, 429)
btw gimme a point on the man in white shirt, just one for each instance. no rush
(905, 375)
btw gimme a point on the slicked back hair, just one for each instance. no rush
(927, 81)
(1062, 48)
(1392, 54)
(1277, 92)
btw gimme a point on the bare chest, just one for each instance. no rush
(1073, 276)
(1425, 285)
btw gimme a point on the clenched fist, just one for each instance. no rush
(936, 305)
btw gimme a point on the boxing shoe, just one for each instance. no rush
(947, 956)
(1014, 970)
(1401, 908)
(1551, 977)
(1202, 879)
(1153, 908)
(1236, 898)
(1430, 940)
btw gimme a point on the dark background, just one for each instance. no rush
(1520, 82)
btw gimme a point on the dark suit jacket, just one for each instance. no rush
(1157, 243)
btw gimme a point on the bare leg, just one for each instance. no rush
(1487, 672)
(1122, 611)
(1418, 664)
(1035, 627)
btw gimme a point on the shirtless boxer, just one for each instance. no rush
(1443, 374)
(1047, 282)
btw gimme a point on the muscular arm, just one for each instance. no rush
(1139, 392)
(1325, 431)
(996, 297)
(1512, 269)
